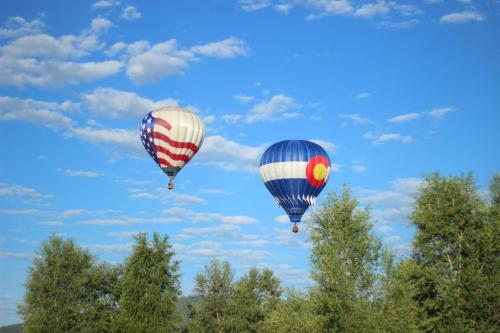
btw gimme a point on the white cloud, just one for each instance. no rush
(401, 24)
(16, 255)
(373, 9)
(383, 138)
(439, 113)
(243, 99)
(18, 211)
(225, 154)
(82, 173)
(227, 48)
(255, 243)
(328, 146)
(69, 213)
(282, 219)
(253, 5)
(124, 234)
(210, 119)
(210, 217)
(287, 238)
(166, 196)
(225, 231)
(243, 255)
(463, 17)
(232, 118)
(149, 63)
(66, 46)
(113, 103)
(383, 228)
(283, 8)
(393, 205)
(363, 95)
(406, 10)
(21, 191)
(401, 193)
(100, 24)
(356, 118)
(39, 112)
(225, 219)
(326, 8)
(127, 139)
(130, 13)
(404, 117)
(17, 26)
(358, 168)
(28, 71)
(116, 48)
(130, 221)
(277, 107)
(105, 4)
(215, 191)
(44, 60)
(121, 248)
(160, 60)
(51, 224)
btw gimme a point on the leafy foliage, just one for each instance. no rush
(67, 291)
(215, 288)
(345, 260)
(456, 256)
(149, 288)
(295, 314)
(449, 284)
(255, 295)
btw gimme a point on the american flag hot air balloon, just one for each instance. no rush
(172, 136)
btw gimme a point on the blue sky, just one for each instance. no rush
(391, 89)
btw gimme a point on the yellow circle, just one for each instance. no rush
(319, 171)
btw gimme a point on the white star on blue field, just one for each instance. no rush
(391, 89)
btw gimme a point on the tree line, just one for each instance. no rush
(449, 283)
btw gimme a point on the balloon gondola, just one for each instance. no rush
(172, 136)
(295, 172)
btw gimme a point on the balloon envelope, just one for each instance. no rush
(295, 172)
(172, 136)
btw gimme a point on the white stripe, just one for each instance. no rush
(181, 133)
(186, 126)
(178, 151)
(283, 170)
(174, 163)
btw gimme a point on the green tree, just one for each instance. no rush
(456, 256)
(398, 311)
(296, 314)
(345, 260)
(255, 295)
(66, 291)
(214, 287)
(149, 288)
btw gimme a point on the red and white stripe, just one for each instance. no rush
(177, 135)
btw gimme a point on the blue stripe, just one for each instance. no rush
(292, 150)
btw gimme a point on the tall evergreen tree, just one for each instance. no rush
(255, 295)
(456, 257)
(66, 291)
(345, 260)
(149, 288)
(215, 288)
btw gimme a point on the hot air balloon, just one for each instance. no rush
(172, 136)
(295, 172)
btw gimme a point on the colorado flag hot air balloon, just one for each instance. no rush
(295, 172)
(172, 136)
